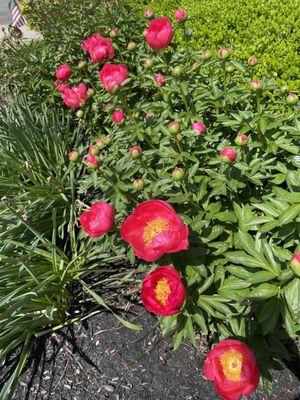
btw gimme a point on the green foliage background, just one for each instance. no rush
(266, 29)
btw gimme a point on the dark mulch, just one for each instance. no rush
(98, 360)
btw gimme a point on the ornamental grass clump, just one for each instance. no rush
(187, 167)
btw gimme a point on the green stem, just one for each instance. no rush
(154, 176)
(184, 101)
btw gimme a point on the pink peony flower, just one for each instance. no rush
(160, 79)
(159, 33)
(112, 75)
(99, 48)
(118, 116)
(63, 72)
(76, 96)
(180, 14)
(199, 127)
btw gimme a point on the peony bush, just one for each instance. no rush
(199, 162)
(187, 166)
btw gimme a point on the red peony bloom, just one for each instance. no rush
(118, 116)
(112, 75)
(99, 48)
(75, 97)
(63, 72)
(154, 229)
(162, 291)
(159, 33)
(98, 220)
(232, 366)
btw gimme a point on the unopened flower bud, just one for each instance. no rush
(131, 46)
(148, 13)
(255, 85)
(174, 127)
(79, 114)
(81, 64)
(284, 89)
(138, 184)
(113, 33)
(94, 150)
(180, 14)
(179, 137)
(228, 154)
(90, 92)
(107, 140)
(92, 162)
(199, 127)
(100, 142)
(177, 71)
(206, 55)
(107, 107)
(159, 79)
(135, 152)
(292, 99)
(177, 174)
(295, 263)
(148, 63)
(252, 61)
(241, 139)
(224, 53)
(73, 155)
(229, 68)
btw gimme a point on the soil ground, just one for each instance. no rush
(99, 360)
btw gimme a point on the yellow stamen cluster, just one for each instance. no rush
(153, 228)
(232, 363)
(162, 291)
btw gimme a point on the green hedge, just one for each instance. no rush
(266, 29)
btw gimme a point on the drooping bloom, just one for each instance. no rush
(159, 33)
(159, 79)
(63, 72)
(98, 220)
(99, 48)
(180, 14)
(154, 229)
(76, 96)
(228, 154)
(163, 292)
(232, 366)
(112, 75)
(118, 116)
(199, 127)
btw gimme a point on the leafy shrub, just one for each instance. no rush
(266, 29)
(243, 215)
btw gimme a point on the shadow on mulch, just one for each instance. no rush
(99, 360)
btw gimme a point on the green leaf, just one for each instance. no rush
(292, 295)
(264, 291)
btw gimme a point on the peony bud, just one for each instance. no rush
(107, 107)
(107, 140)
(131, 46)
(206, 55)
(195, 65)
(90, 92)
(177, 71)
(179, 137)
(79, 114)
(81, 64)
(284, 89)
(255, 85)
(241, 140)
(148, 63)
(94, 150)
(135, 152)
(199, 127)
(228, 154)
(92, 162)
(118, 116)
(159, 79)
(138, 184)
(113, 33)
(292, 99)
(252, 61)
(73, 155)
(177, 174)
(295, 263)
(224, 53)
(180, 14)
(100, 143)
(148, 13)
(229, 68)
(174, 127)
